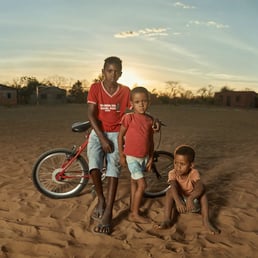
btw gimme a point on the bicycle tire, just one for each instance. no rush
(49, 164)
(157, 184)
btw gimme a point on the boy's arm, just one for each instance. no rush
(151, 152)
(121, 142)
(196, 193)
(156, 124)
(181, 208)
(151, 146)
(92, 115)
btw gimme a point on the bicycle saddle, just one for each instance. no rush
(81, 126)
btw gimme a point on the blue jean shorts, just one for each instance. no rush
(136, 166)
(196, 204)
(96, 154)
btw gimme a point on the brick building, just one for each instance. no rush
(49, 95)
(241, 99)
(8, 95)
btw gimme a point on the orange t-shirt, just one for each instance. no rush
(186, 183)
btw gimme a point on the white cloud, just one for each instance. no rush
(126, 34)
(208, 24)
(184, 6)
(231, 78)
(217, 25)
(148, 32)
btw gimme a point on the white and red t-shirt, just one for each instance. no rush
(139, 134)
(111, 108)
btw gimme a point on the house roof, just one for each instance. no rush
(4, 87)
(236, 92)
(51, 88)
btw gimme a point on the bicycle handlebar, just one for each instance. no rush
(160, 122)
(79, 127)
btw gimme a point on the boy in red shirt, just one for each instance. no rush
(107, 103)
(135, 143)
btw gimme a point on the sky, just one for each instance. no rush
(195, 43)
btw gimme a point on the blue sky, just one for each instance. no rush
(193, 42)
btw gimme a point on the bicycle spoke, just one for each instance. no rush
(157, 179)
(46, 174)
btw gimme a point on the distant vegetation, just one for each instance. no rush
(77, 91)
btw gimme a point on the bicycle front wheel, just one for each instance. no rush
(47, 167)
(156, 179)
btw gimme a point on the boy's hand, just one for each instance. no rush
(156, 125)
(107, 145)
(189, 204)
(123, 160)
(180, 206)
(148, 165)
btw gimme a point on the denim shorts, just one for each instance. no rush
(196, 204)
(136, 166)
(96, 154)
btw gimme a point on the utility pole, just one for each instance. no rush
(37, 94)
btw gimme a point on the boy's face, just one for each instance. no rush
(140, 102)
(111, 73)
(182, 164)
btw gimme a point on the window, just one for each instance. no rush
(59, 96)
(43, 96)
(9, 95)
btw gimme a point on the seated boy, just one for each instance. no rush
(186, 192)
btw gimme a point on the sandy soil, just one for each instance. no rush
(32, 225)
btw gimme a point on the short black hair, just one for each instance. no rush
(185, 150)
(113, 60)
(139, 89)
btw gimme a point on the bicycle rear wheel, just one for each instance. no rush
(156, 179)
(49, 164)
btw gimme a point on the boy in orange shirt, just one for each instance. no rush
(186, 192)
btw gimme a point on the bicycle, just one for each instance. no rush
(64, 173)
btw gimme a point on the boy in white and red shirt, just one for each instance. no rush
(107, 103)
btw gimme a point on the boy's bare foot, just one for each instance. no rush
(212, 230)
(163, 225)
(138, 219)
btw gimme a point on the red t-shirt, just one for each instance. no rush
(139, 134)
(111, 108)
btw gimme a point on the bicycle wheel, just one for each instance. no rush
(156, 179)
(49, 164)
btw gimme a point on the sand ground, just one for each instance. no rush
(32, 225)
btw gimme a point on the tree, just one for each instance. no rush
(172, 87)
(58, 81)
(206, 92)
(188, 94)
(77, 94)
(225, 88)
(28, 86)
(99, 78)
